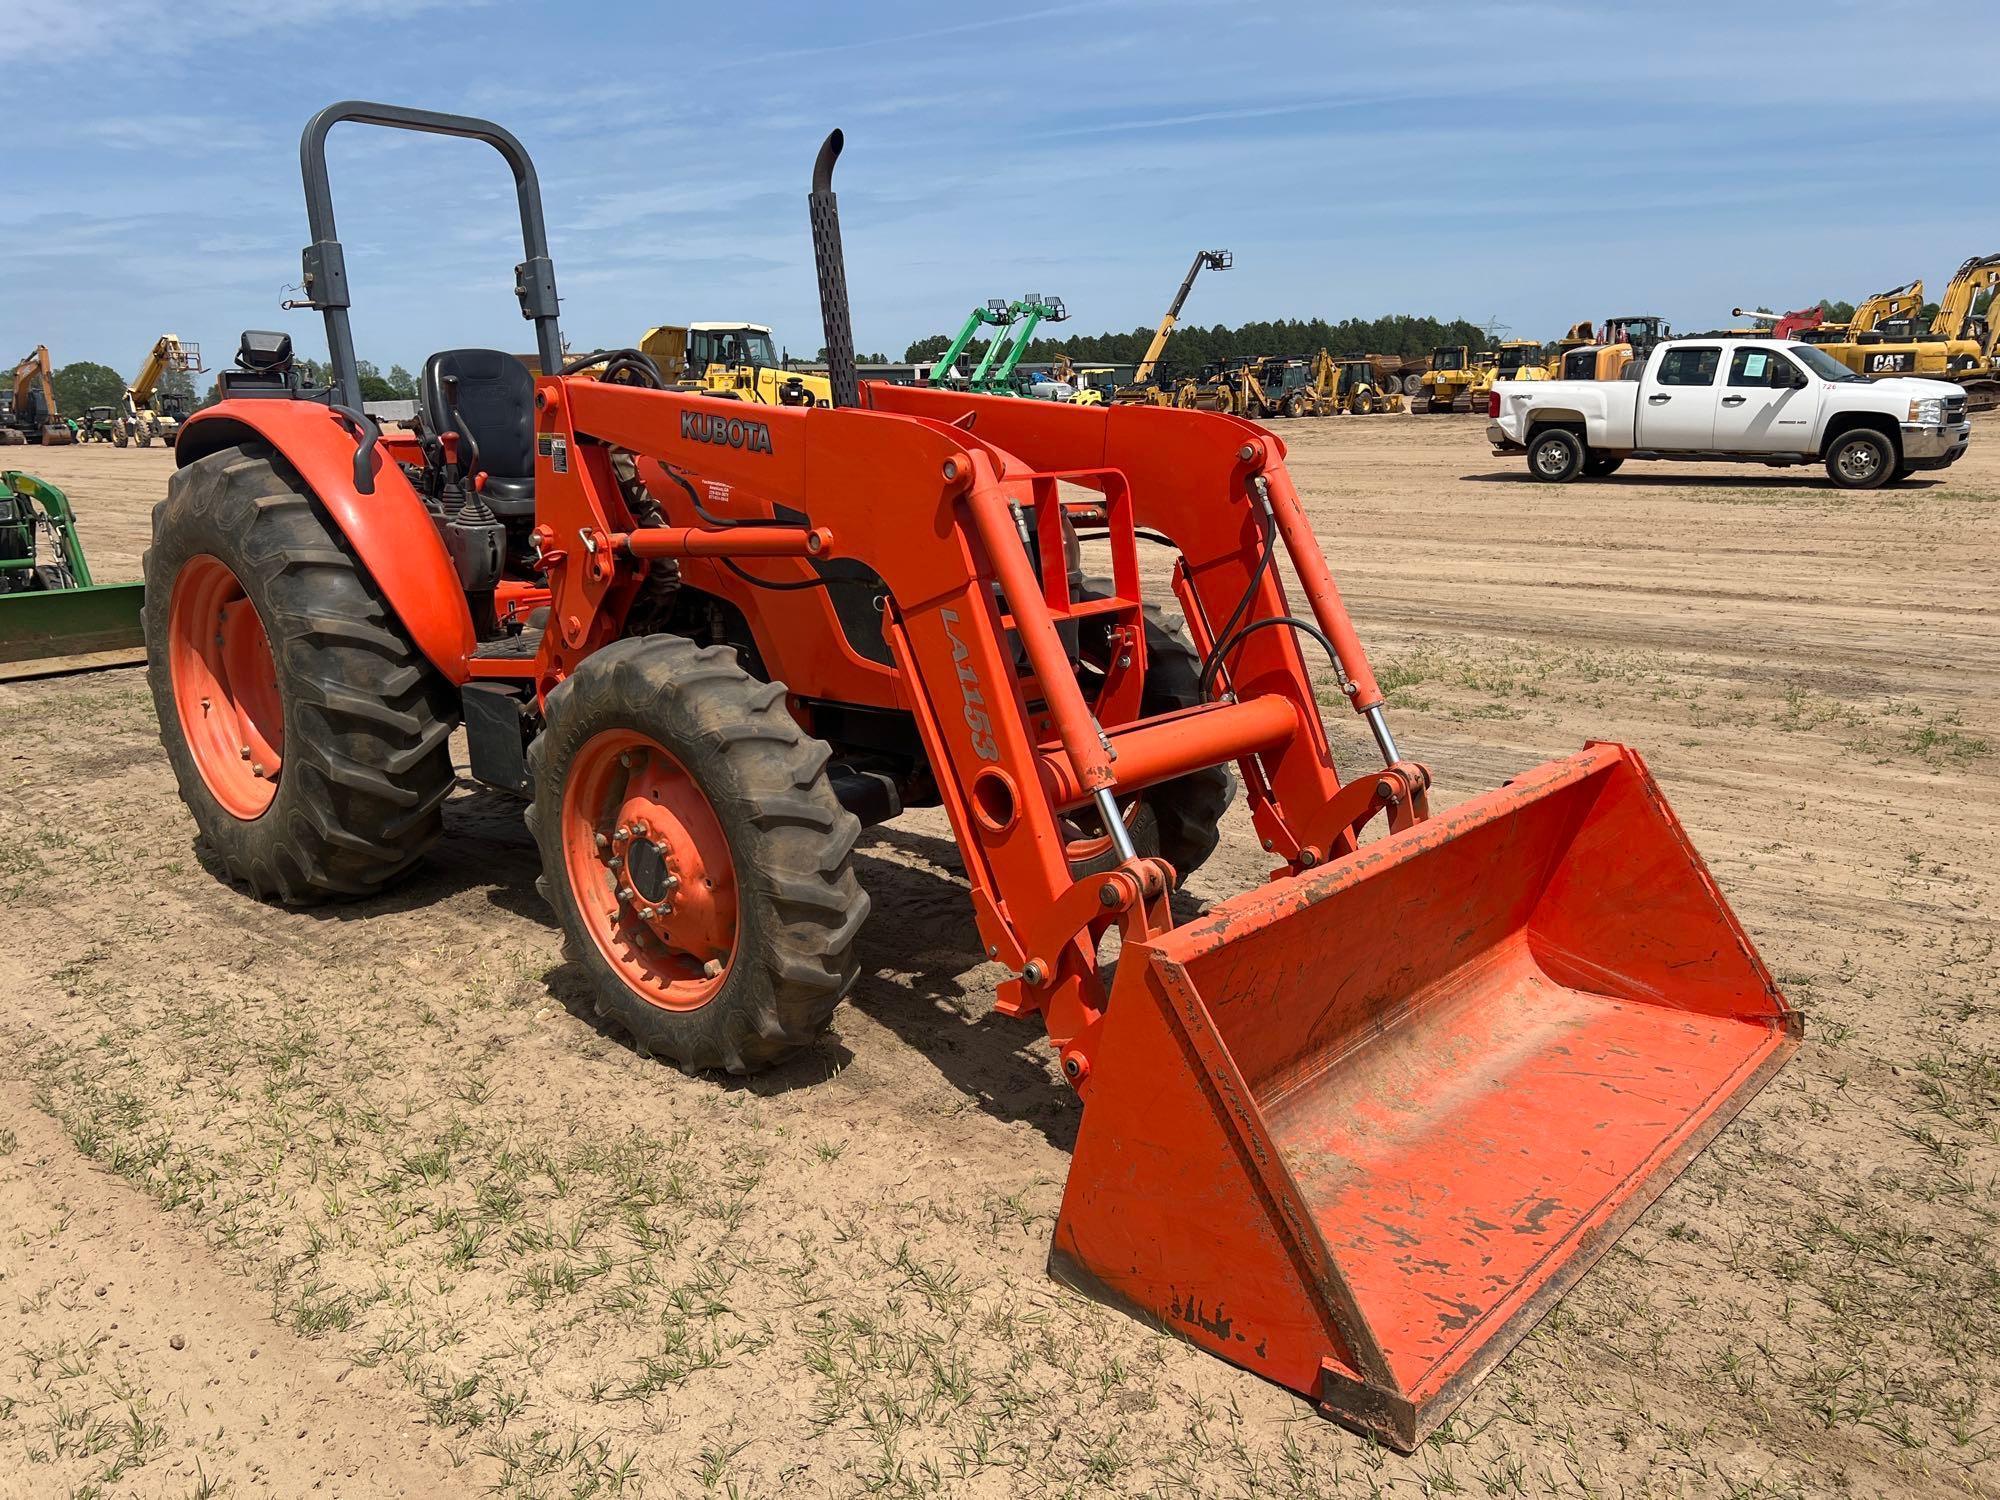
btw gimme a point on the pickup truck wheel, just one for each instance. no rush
(1600, 465)
(1555, 455)
(1861, 460)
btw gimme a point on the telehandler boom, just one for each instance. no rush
(1354, 1129)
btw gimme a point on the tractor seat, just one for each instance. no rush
(496, 407)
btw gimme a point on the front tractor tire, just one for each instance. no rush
(695, 854)
(308, 737)
(1555, 455)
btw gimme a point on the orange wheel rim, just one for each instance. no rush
(649, 870)
(225, 687)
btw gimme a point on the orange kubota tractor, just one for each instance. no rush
(1354, 1129)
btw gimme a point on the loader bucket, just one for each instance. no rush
(1357, 1130)
(46, 633)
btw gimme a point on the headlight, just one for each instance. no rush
(1927, 411)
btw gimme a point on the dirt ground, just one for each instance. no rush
(359, 1201)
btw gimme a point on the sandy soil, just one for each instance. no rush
(480, 1245)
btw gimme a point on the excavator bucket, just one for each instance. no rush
(1358, 1129)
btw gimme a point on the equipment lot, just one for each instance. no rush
(482, 1230)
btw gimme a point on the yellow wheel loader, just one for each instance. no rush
(735, 361)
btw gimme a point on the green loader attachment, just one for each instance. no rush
(54, 617)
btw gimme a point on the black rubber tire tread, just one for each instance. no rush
(1579, 455)
(1601, 466)
(1181, 820)
(799, 906)
(367, 721)
(1886, 468)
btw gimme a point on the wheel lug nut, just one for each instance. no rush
(624, 832)
(603, 842)
(647, 913)
(625, 894)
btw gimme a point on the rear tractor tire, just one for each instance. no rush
(1555, 455)
(695, 854)
(309, 738)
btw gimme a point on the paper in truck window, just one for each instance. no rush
(1753, 366)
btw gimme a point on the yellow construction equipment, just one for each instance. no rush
(1353, 385)
(1144, 390)
(147, 412)
(1092, 383)
(32, 415)
(1449, 381)
(1883, 314)
(1959, 345)
(1616, 345)
(736, 361)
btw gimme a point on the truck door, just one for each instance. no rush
(1767, 404)
(1677, 398)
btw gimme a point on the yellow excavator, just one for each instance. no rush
(1958, 346)
(1885, 314)
(735, 361)
(146, 412)
(31, 415)
(1144, 390)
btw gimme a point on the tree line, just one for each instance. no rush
(86, 383)
(1192, 346)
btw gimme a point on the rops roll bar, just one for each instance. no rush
(326, 267)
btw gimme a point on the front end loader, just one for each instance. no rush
(1353, 1129)
(55, 617)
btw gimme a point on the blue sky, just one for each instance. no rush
(1535, 163)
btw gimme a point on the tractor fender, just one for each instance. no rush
(390, 531)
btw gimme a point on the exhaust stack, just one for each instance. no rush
(834, 314)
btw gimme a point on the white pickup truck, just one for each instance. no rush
(1751, 400)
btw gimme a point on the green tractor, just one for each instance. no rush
(53, 615)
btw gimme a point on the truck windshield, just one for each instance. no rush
(1822, 364)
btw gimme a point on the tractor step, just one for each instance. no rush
(518, 647)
